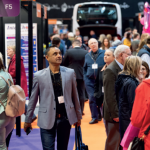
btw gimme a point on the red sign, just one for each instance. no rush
(38, 10)
(45, 12)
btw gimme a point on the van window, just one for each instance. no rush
(97, 14)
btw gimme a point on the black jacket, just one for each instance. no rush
(67, 43)
(98, 94)
(125, 93)
(74, 58)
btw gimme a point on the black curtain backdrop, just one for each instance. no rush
(64, 8)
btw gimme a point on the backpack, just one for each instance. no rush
(15, 100)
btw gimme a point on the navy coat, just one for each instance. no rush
(88, 72)
(125, 92)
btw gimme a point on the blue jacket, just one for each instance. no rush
(125, 93)
(64, 47)
(144, 50)
(88, 72)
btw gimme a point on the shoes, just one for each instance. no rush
(86, 100)
(83, 114)
(99, 118)
(93, 121)
(34, 119)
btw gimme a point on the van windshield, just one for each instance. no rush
(97, 14)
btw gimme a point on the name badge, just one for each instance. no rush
(61, 99)
(95, 66)
(102, 89)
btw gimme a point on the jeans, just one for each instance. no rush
(89, 84)
(62, 127)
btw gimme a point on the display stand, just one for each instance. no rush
(28, 6)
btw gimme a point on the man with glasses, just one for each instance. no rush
(93, 60)
(110, 105)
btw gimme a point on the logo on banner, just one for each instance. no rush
(141, 6)
(124, 5)
(64, 7)
(9, 8)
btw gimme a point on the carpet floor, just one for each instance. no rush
(93, 135)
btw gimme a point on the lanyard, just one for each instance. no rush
(93, 58)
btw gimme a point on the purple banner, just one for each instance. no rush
(9, 8)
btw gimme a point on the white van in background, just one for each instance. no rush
(102, 17)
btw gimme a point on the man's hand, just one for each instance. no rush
(78, 123)
(27, 125)
(116, 119)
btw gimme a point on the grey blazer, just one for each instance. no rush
(42, 87)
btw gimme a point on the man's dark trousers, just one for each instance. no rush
(89, 85)
(81, 92)
(62, 128)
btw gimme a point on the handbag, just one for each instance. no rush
(138, 143)
(78, 139)
(15, 100)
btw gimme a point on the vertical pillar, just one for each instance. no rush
(41, 39)
(18, 67)
(46, 32)
(30, 44)
(2, 50)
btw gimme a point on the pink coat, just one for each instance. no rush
(12, 71)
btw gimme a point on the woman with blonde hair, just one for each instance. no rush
(110, 38)
(6, 123)
(125, 87)
(142, 41)
(101, 37)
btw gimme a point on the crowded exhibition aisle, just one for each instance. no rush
(91, 135)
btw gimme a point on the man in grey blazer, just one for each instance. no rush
(110, 106)
(59, 103)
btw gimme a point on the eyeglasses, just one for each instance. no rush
(129, 54)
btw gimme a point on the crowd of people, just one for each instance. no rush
(111, 72)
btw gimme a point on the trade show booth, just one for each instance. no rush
(28, 32)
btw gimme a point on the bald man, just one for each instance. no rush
(93, 60)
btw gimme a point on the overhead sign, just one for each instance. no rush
(9, 8)
(64, 8)
(52, 21)
(38, 10)
(45, 12)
